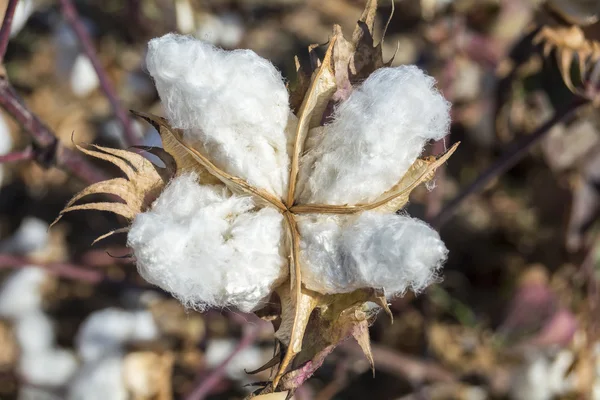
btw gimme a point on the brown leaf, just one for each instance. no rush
(311, 111)
(142, 185)
(394, 199)
(184, 161)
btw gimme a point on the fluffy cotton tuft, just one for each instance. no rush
(108, 330)
(217, 350)
(232, 105)
(20, 293)
(375, 137)
(31, 235)
(208, 248)
(392, 252)
(52, 367)
(99, 380)
(34, 332)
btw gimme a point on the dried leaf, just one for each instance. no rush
(317, 97)
(142, 185)
(184, 161)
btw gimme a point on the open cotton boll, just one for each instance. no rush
(376, 135)
(84, 79)
(99, 380)
(207, 247)
(52, 367)
(34, 332)
(21, 292)
(372, 250)
(232, 105)
(22, 13)
(108, 330)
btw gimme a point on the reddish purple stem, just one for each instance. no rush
(72, 17)
(22, 155)
(6, 27)
(212, 380)
(64, 270)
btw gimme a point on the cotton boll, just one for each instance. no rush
(375, 137)
(232, 105)
(84, 79)
(217, 350)
(53, 367)
(392, 252)
(36, 393)
(34, 332)
(107, 330)
(209, 248)
(20, 293)
(543, 377)
(31, 235)
(99, 380)
(22, 13)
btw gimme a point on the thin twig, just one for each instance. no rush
(212, 380)
(507, 161)
(72, 17)
(64, 270)
(15, 156)
(6, 27)
(48, 149)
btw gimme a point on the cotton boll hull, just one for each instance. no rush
(375, 137)
(209, 248)
(372, 250)
(231, 105)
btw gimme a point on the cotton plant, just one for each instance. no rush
(283, 202)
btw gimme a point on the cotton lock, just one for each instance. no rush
(375, 136)
(341, 254)
(232, 105)
(209, 248)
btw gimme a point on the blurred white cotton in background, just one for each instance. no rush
(376, 135)
(51, 367)
(543, 377)
(226, 30)
(20, 293)
(252, 357)
(22, 13)
(209, 248)
(108, 330)
(391, 252)
(31, 235)
(73, 66)
(34, 332)
(6, 143)
(232, 105)
(84, 79)
(101, 379)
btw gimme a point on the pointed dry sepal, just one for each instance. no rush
(142, 185)
(394, 199)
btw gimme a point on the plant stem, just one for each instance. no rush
(64, 270)
(6, 27)
(515, 154)
(72, 17)
(22, 155)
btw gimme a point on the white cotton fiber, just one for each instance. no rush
(392, 252)
(84, 79)
(107, 331)
(99, 380)
(23, 11)
(52, 367)
(20, 293)
(375, 137)
(231, 105)
(31, 235)
(34, 332)
(252, 357)
(209, 248)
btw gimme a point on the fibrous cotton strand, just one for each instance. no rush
(209, 248)
(376, 135)
(340, 254)
(232, 105)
